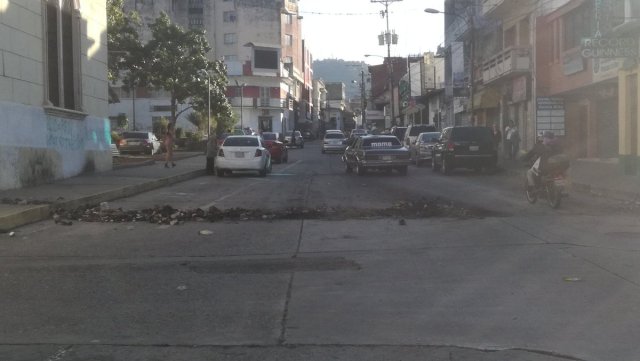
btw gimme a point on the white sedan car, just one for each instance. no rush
(243, 153)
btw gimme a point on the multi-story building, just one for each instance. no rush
(53, 91)
(269, 70)
(415, 86)
(460, 28)
(583, 86)
(336, 105)
(503, 66)
(385, 79)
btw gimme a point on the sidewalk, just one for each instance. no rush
(22, 206)
(602, 178)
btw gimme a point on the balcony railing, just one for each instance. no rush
(508, 62)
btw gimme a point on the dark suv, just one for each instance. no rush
(465, 147)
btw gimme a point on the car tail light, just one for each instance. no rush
(258, 153)
(450, 146)
(221, 153)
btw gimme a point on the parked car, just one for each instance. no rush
(308, 135)
(466, 147)
(279, 152)
(422, 149)
(358, 132)
(243, 153)
(334, 142)
(139, 142)
(398, 132)
(298, 140)
(382, 152)
(412, 132)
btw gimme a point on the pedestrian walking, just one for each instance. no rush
(169, 140)
(507, 141)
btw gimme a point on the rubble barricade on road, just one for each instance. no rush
(167, 215)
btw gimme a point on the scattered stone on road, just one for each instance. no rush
(167, 215)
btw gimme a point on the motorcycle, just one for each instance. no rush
(552, 184)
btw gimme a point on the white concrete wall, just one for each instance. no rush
(37, 147)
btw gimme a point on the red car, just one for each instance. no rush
(278, 150)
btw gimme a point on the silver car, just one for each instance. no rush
(139, 142)
(334, 142)
(421, 150)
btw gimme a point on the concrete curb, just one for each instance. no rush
(604, 192)
(42, 212)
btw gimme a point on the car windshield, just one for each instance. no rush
(386, 142)
(430, 137)
(472, 133)
(241, 142)
(334, 136)
(415, 130)
(135, 135)
(269, 136)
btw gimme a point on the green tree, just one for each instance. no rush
(160, 127)
(176, 58)
(122, 38)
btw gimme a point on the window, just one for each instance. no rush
(266, 59)
(288, 19)
(287, 60)
(229, 16)
(230, 58)
(196, 22)
(288, 39)
(576, 25)
(161, 108)
(510, 37)
(265, 96)
(230, 38)
(62, 78)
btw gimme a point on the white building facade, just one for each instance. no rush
(53, 91)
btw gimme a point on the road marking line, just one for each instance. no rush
(241, 189)
(289, 166)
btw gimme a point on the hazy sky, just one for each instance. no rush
(348, 29)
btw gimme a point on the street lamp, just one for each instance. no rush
(208, 102)
(390, 72)
(241, 85)
(470, 24)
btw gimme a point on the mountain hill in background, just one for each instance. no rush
(338, 70)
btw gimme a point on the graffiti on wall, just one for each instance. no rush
(68, 135)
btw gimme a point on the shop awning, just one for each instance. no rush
(486, 98)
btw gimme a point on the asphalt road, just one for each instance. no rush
(525, 282)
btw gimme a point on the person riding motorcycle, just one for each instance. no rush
(546, 147)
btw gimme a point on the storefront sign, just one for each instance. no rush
(609, 48)
(550, 115)
(604, 69)
(573, 63)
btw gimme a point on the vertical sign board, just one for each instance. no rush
(550, 115)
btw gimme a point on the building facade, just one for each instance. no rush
(53, 91)
(260, 41)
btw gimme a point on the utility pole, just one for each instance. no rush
(364, 100)
(388, 39)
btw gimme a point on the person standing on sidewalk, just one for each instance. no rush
(169, 140)
(507, 141)
(497, 136)
(515, 142)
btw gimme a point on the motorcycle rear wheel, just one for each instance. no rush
(554, 197)
(530, 192)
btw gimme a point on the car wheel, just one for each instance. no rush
(434, 165)
(360, 170)
(446, 166)
(270, 166)
(220, 172)
(263, 172)
(403, 170)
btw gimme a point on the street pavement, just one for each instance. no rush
(524, 282)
